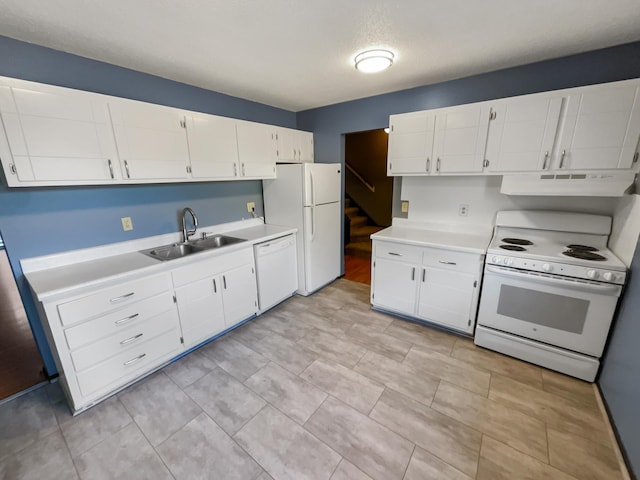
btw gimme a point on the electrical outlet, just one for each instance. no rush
(404, 208)
(251, 207)
(127, 224)
(463, 209)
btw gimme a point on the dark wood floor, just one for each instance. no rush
(357, 269)
(20, 361)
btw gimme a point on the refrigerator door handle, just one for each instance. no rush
(312, 187)
(313, 224)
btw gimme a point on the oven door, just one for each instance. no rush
(569, 313)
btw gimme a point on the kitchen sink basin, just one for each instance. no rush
(179, 250)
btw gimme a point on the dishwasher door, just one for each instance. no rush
(277, 271)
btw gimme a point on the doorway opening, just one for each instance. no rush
(368, 199)
(21, 365)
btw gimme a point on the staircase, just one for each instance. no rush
(359, 242)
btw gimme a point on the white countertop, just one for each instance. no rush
(447, 237)
(56, 275)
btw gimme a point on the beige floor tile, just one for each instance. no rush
(424, 466)
(423, 335)
(501, 462)
(348, 471)
(404, 378)
(450, 440)
(359, 439)
(285, 326)
(345, 384)
(582, 393)
(524, 372)
(234, 357)
(287, 392)
(582, 458)
(558, 412)
(364, 315)
(330, 347)
(285, 449)
(450, 369)
(190, 368)
(378, 342)
(516, 429)
(331, 321)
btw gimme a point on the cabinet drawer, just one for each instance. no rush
(130, 364)
(124, 340)
(111, 298)
(114, 322)
(398, 251)
(450, 259)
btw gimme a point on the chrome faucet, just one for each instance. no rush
(186, 233)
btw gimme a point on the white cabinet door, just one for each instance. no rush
(411, 143)
(600, 129)
(200, 310)
(151, 141)
(213, 147)
(446, 297)
(394, 285)
(288, 145)
(522, 134)
(257, 150)
(57, 135)
(305, 152)
(460, 138)
(239, 293)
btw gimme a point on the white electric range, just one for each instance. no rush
(550, 290)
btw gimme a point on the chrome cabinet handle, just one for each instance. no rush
(635, 157)
(428, 164)
(110, 169)
(224, 281)
(564, 152)
(413, 274)
(134, 360)
(126, 319)
(215, 287)
(122, 297)
(424, 271)
(546, 157)
(131, 339)
(395, 254)
(438, 164)
(447, 263)
(13, 169)
(126, 167)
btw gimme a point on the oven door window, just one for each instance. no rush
(541, 308)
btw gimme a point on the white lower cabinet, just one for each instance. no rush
(433, 284)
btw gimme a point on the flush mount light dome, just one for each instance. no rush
(373, 61)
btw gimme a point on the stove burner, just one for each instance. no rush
(584, 255)
(517, 241)
(582, 248)
(515, 248)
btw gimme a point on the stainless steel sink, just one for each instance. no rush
(179, 250)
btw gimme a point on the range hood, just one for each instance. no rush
(614, 184)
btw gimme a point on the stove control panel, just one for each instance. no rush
(555, 268)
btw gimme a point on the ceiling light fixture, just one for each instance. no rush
(373, 61)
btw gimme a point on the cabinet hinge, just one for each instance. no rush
(469, 323)
(252, 270)
(373, 295)
(390, 167)
(392, 128)
(188, 168)
(174, 299)
(12, 167)
(475, 283)
(374, 264)
(183, 123)
(485, 163)
(635, 157)
(255, 303)
(181, 340)
(492, 114)
(277, 153)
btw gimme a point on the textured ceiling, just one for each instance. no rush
(297, 54)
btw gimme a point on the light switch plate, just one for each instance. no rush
(404, 206)
(251, 207)
(127, 224)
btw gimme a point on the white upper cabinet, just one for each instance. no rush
(257, 149)
(522, 133)
(53, 135)
(600, 129)
(213, 147)
(151, 141)
(460, 138)
(411, 143)
(294, 146)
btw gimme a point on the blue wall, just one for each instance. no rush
(39, 221)
(619, 379)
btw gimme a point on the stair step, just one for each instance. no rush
(362, 234)
(358, 221)
(358, 249)
(351, 211)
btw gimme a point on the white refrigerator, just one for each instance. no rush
(307, 196)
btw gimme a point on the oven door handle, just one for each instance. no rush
(572, 284)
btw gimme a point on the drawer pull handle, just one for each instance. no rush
(447, 263)
(395, 254)
(215, 288)
(135, 360)
(413, 274)
(122, 297)
(224, 281)
(424, 271)
(131, 339)
(126, 319)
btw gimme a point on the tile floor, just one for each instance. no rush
(321, 388)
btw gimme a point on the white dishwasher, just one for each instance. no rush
(277, 270)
